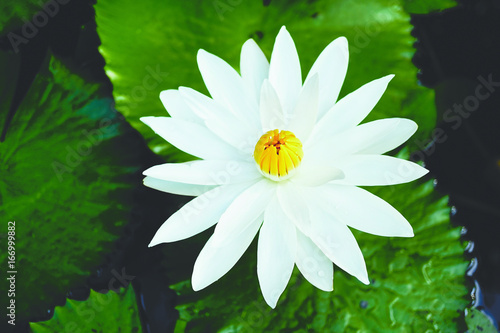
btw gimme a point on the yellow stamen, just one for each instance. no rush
(277, 153)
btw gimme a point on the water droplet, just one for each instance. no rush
(453, 211)
(363, 304)
(470, 247)
(471, 269)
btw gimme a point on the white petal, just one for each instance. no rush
(316, 174)
(375, 137)
(271, 113)
(352, 109)
(223, 123)
(213, 262)
(291, 198)
(284, 71)
(331, 66)
(243, 210)
(254, 68)
(176, 188)
(338, 244)
(306, 110)
(192, 138)
(313, 264)
(243, 138)
(176, 107)
(225, 86)
(202, 105)
(377, 170)
(275, 253)
(205, 172)
(362, 210)
(198, 214)
(383, 135)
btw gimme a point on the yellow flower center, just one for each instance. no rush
(277, 153)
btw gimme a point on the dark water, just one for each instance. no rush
(458, 55)
(456, 52)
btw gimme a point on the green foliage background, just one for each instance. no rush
(67, 180)
(109, 312)
(67, 223)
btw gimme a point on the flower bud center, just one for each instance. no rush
(278, 153)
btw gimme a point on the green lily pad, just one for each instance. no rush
(69, 166)
(17, 13)
(111, 312)
(426, 6)
(478, 322)
(151, 46)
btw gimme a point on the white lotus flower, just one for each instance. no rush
(283, 159)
